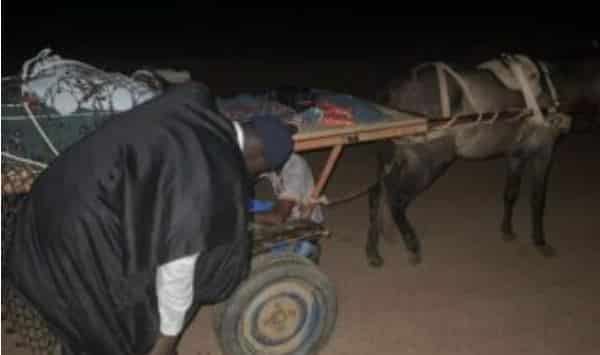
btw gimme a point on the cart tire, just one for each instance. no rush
(265, 260)
(259, 263)
(297, 293)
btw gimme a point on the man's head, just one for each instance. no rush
(268, 143)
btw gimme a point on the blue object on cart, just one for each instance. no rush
(280, 247)
(305, 248)
(260, 206)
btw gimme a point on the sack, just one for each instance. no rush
(68, 86)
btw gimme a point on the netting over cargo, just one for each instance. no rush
(54, 102)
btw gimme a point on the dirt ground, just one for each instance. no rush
(473, 293)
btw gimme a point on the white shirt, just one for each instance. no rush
(175, 282)
(295, 182)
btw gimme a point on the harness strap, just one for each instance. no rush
(527, 91)
(444, 96)
(550, 84)
(443, 85)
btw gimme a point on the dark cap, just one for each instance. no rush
(276, 136)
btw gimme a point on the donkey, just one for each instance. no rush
(409, 166)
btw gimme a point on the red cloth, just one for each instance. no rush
(334, 115)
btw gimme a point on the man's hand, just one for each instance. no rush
(165, 345)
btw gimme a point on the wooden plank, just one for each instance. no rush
(358, 134)
(333, 157)
(401, 124)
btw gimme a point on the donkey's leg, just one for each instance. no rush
(385, 155)
(374, 233)
(511, 194)
(541, 168)
(398, 206)
(413, 169)
(394, 185)
(401, 186)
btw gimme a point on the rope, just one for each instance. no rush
(550, 84)
(530, 99)
(444, 96)
(493, 119)
(25, 72)
(346, 197)
(357, 193)
(40, 129)
(49, 61)
(24, 160)
(25, 75)
(464, 86)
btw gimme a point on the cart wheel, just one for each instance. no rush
(259, 263)
(285, 307)
(264, 260)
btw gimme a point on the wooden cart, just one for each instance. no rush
(287, 305)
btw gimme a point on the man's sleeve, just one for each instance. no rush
(175, 291)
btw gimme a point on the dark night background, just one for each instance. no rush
(142, 34)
